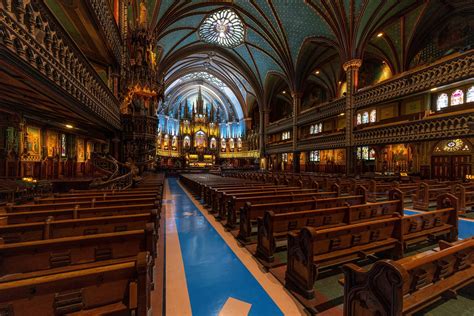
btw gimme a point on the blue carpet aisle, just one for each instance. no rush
(213, 272)
(466, 227)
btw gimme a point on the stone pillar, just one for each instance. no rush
(352, 69)
(296, 110)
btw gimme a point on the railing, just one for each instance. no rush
(328, 141)
(109, 28)
(30, 33)
(111, 166)
(443, 72)
(322, 111)
(106, 165)
(280, 126)
(426, 129)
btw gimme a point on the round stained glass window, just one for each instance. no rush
(223, 28)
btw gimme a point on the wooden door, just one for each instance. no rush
(450, 167)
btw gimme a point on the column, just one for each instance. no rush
(296, 109)
(352, 69)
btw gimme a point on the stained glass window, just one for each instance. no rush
(365, 153)
(284, 157)
(373, 116)
(470, 94)
(285, 135)
(359, 152)
(457, 97)
(454, 145)
(63, 145)
(365, 118)
(311, 129)
(359, 119)
(442, 101)
(223, 28)
(314, 156)
(372, 154)
(320, 128)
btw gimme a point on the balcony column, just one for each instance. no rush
(296, 110)
(352, 71)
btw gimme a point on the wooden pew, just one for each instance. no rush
(211, 191)
(87, 204)
(428, 193)
(250, 212)
(228, 196)
(235, 204)
(311, 249)
(103, 197)
(403, 287)
(40, 255)
(41, 216)
(216, 195)
(120, 288)
(101, 192)
(465, 194)
(51, 229)
(275, 227)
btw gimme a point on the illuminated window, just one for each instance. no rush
(286, 135)
(63, 145)
(365, 153)
(213, 143)
(470, 94)
(365, 118)
(316, 128)
(442, 101)
(457, 97)
(359, 119)
(314, 156)
(284, 157)
(373, 116)
(223, 28)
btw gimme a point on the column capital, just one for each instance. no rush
(351, 64)
(297, 94)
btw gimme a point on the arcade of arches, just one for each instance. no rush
(106, 96)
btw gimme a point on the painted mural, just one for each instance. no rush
(34, 143)
(80, 150)
(52, 143)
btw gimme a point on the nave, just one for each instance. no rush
(196, 211)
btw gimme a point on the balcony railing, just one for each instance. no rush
(31, 33)
(426, 129)
(109, 28)
(443, 72)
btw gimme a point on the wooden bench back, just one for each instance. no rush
(47, 254)
(51, 229)
(41, 216)
(80, 205)
(121, 288)
(405, 286)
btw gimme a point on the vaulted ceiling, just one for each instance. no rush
(295, 40)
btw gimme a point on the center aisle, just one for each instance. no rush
(214, 275)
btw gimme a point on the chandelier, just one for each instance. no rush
(223, 28)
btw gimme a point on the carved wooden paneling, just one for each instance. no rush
(428, 129)
(441, 73)
(30, 32)
(104, 16)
